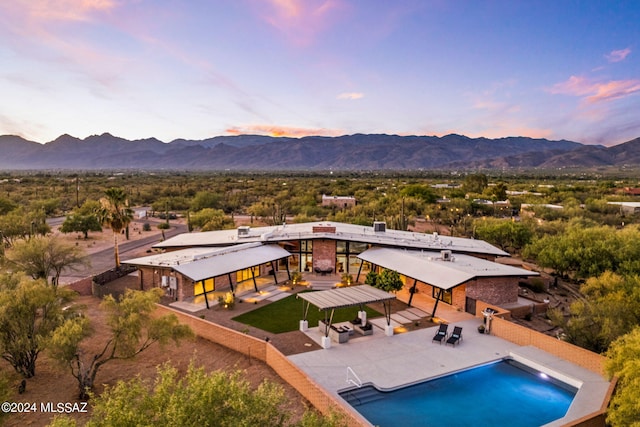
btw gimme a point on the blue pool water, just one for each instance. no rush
(499, 394)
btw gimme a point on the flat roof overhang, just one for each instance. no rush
(429, 267)
(231, 262)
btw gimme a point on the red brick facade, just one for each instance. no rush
(324, 251)
(496, 291)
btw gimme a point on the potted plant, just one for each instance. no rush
(482, 329)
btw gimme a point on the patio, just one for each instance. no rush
(390, 362)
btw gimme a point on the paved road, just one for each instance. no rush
(104, 260)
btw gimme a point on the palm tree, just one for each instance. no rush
(115, 213)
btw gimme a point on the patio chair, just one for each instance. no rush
(441, 334)
(456, 336)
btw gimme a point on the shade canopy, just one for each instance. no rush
(345, 297)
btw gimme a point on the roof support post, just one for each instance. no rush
(305, 309)
(328, 320)
(359, 270)
(231, 284)
(206, 298)
(287, 265)
(253, 277)
(412, 291)
(273, 268)
(387, 311)
(438, 297)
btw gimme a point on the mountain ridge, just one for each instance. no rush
(347, 152)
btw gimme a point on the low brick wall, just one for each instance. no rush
(265, 352)
(524, 336)
(83, 286)
(502, 327)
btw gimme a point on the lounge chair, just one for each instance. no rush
(456, 336)
(441, 334)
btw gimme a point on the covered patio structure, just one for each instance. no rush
(188, 267)
(331, 299)
(443, 270)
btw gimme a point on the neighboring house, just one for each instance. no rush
(527, 209)
(455, 270)
(627, 208)
(630, 191)
(447, 186)
(338, 201)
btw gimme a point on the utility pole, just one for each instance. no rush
(77, 192)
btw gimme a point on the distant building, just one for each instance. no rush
(339, 201)
(446, 186)
(628, 208)
(629, 191)
(527, 209)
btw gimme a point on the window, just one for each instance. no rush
(202, 286)
(445, 296)
(245, 274)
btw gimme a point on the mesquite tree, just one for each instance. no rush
(30, 310)
(133, 328)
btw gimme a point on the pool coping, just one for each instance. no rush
(411, 357)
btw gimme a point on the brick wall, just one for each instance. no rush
(82, 286)
(323, 229)
(524, 336)
(459, 297)
(324, 250)
(319, 398)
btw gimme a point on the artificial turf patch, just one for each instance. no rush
(284, 315)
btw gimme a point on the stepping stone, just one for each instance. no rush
(321, 286)
(417, 312)
(190, 307)
(409, 315)
(400, 319)
(278, 296)
(381, 322)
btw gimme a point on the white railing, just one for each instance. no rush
(352, 378)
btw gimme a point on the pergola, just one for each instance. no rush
(331, 299)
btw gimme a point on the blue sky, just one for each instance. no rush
(201, 68)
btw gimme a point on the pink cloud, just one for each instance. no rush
(274, 130)
(351, 95)
(60, 10)
(596, 91)
(618, 55)
(300, 21)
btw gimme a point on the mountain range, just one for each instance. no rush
(349, 152)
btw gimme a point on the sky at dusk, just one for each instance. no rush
(556, 69)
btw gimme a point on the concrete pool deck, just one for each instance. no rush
(406, 358)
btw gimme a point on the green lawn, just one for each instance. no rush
(285, 315)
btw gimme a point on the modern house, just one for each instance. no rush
(454, 270)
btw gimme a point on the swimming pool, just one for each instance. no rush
(501, 393)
